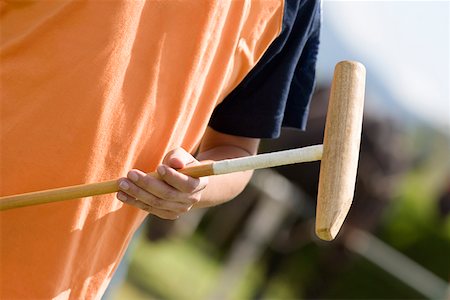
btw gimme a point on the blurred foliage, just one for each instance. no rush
(174, 269)
(413, 224)
(178, 269)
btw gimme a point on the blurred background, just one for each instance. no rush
(395, 243)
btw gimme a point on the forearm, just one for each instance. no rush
(174, 193)
(222, 188)
(218, 146)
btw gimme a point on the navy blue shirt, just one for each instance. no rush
(277, 91)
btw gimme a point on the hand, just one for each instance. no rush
(168, 198)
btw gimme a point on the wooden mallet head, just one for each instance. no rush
(340, 148)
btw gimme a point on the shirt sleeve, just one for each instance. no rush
(277, 91)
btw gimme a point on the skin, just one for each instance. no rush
(177, 193)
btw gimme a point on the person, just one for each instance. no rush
(94, 89)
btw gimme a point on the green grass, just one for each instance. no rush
(173, 269)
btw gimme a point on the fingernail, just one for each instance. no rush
(121, 197)
(161, 171)
(123, 185)
(133, 176)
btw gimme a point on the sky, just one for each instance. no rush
(405, 46)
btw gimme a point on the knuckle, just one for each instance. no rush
(137, 193)
(175, 150)
(169, 216)
(142, 206)
(146, 182)
(156, 203)
(170, 194)
(194, 199)
(160, 215)
(146, 208)
(185, 209)
(170, 154)
(192, 184)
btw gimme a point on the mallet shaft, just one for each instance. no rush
(266, 160)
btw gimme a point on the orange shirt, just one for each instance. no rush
(91, 89)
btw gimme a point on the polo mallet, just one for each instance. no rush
(339, 154)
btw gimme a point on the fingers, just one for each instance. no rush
(156, 193)
(178, 158)
(175, 194)
(162, 213)
(150, 186)
(142, 195)
(181, 182)
(167, 199)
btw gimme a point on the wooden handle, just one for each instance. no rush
(206, 169)
(84, 190)
(59, 194)
(341, 148)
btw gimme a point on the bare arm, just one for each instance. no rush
(218, 146)
(178, 193)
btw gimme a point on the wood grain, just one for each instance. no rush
(205, 169)
(341, 148)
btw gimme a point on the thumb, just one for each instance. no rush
(178, 158)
